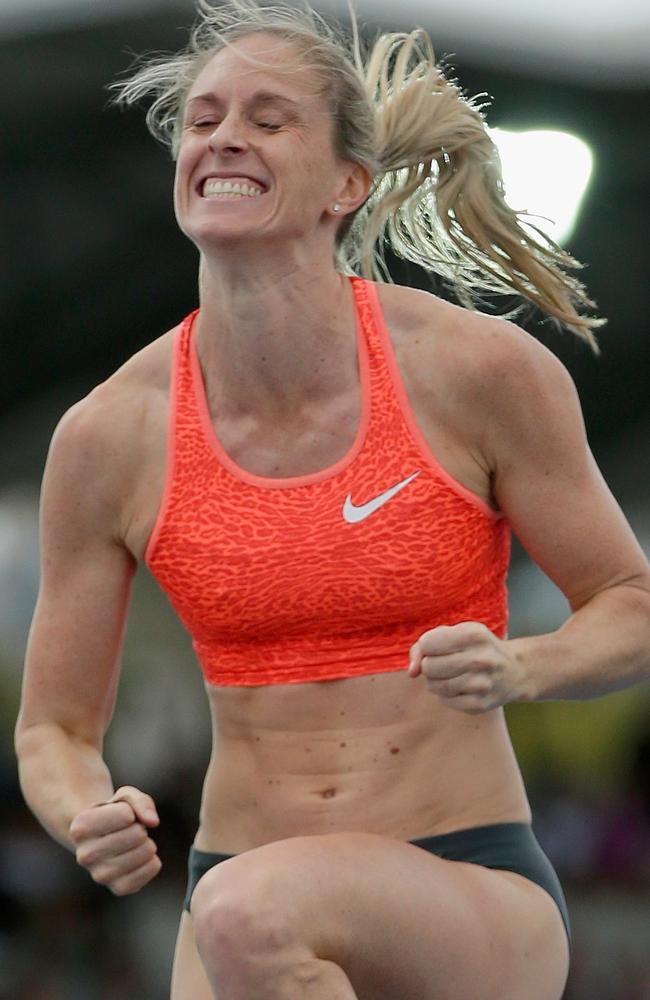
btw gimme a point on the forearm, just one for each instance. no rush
(603, 647)
(59, 776)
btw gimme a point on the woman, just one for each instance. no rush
(321, 471)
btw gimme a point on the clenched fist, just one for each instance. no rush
(112, 841)
(468, 667)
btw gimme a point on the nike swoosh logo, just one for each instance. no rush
(353, 515)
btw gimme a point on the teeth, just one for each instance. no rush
(214, 187)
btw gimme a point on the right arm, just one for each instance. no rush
(74, 651)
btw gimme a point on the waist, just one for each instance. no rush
(405, 777)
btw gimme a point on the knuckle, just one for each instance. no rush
(125, 790)
(476, 708)
(123, 800)
(144, 853)
(125, 812)
(76, 833)
(152, 866)
(79, 828)
(85, 857)
(101, 876)
(134, 881)
(134, 835)
(122, 888)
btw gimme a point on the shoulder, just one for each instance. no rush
(499, 384)
(487, 353)
(101, 440)
(489, 341)
(109, 409)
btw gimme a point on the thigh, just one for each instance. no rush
(402, 922)
(189, 981)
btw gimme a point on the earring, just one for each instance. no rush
(337, 207)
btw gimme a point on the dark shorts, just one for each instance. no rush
(510, 847)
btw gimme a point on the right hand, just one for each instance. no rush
(113, 844)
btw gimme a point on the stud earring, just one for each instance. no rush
(337, 207)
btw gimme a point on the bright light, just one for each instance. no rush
(546, 173)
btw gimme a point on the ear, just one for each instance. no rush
(354, 189)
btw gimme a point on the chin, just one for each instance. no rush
(216, 232)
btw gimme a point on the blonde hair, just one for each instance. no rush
(437, 196)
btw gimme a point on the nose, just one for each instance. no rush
(228, 136)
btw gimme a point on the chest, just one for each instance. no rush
(314, 439)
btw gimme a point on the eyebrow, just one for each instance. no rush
(259, 97)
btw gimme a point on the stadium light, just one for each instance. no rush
(546, 173)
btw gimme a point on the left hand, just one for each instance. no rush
(468, 667)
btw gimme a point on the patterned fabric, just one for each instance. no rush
(272, 581)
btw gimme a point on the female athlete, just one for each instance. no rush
(322, 469)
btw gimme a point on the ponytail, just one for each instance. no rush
(439, 200)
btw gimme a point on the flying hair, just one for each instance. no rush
(437, 197)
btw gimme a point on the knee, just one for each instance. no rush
(218, 913)
(235, 918)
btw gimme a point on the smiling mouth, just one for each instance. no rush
(231, 190)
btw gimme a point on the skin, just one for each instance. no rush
(317, 761)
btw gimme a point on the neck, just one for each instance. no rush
(275, 338)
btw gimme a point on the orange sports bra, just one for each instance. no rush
(329, 575)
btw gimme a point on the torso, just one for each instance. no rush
(376, 753)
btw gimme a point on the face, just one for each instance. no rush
(256, 156)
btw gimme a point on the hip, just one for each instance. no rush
(503, 846)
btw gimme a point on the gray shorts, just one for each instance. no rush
(510, 847)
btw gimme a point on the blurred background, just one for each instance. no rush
(94, 268)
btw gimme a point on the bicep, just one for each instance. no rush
(75, 641)
(548, 485)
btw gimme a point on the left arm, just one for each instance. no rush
(546, 482)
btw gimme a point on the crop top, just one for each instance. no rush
(329, 575)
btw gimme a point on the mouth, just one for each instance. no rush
(235, 188)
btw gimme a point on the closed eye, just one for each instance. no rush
(270, 126)
(202, 124)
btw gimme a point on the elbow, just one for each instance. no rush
(32, 739)
(21, 735)
(631, 593)
(29, 738)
